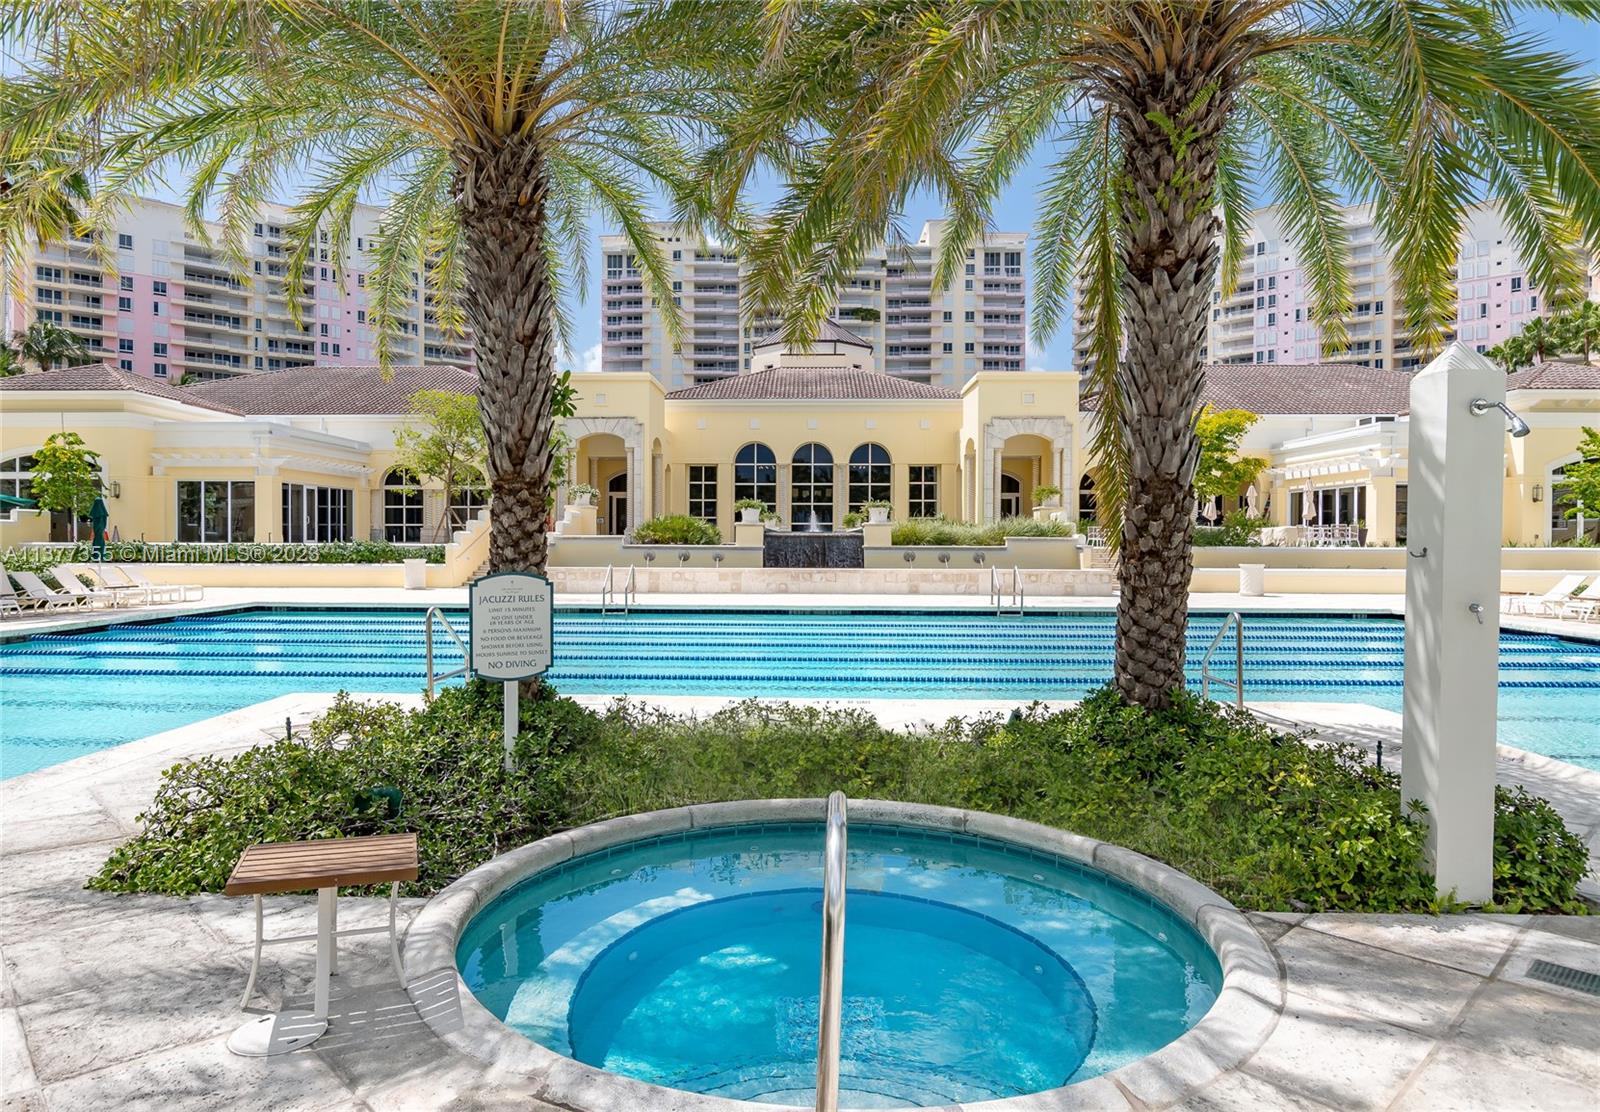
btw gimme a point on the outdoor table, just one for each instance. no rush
(325, 865)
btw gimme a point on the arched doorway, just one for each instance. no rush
(811, 488)
(1010, 495)
(617, 503)
(1087, 503)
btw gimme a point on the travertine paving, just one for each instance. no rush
(111, 1002)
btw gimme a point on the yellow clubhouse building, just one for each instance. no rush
(308, 454)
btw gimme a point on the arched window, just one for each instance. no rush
(402, 508)
(869, 476)
(1086, 498)
(811, 492)
(755, 475)
(16, 476)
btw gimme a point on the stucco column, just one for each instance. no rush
(657, 485)
(635, 487)
(785, 506)
(1452, 637)
(1380, 510)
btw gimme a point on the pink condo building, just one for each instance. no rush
(1266, 317)
(173, 307)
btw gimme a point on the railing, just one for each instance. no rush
(830, 1002)
(435, 678)
(609, 594)
(1207, 677)
(1003, 596)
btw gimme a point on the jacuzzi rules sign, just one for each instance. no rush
(512, 626)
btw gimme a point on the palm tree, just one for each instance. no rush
(10, 362)
(1583, 328)
(1167, 119)
(45, 344)
(1513, 353)
(492, 126)
(1542, 337)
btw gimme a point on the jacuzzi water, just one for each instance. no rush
(65, 695)
(973, 969)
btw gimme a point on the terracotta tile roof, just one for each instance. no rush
(1303, 388)
(1556, 376)
(812, 384)
(332, 389)
(103, 376)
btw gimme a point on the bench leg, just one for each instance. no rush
(255, 961)
(327, 899)
(333, 936)
(394, 939)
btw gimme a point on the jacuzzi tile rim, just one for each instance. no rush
(1237, 1024)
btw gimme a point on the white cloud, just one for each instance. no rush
(588, 361)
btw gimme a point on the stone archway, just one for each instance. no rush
(998, 430)
(630, 430)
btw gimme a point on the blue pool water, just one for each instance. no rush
(64, 695)
(973, 970)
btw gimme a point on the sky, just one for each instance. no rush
(1012, 212)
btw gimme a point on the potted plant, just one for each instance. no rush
(750, 510)
(877, 512)
(770, 517)
(1361, 532)
(1047, 494)
(853, 520)
(581, 494)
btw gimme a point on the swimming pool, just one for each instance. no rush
(974, 969)
(64, 695)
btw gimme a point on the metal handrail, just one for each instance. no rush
(608, 590)
(1207, 677)
(830, 1003)
(997, 594)
(466, 654)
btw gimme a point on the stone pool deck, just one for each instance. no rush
(117, 1002)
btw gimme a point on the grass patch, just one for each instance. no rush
(943, 531)
(1265, 818)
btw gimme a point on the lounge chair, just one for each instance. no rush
(41, 596)
(179, 590)
(1584, 607)
(8, 597)
(1548, 603)
(119, 584)
(72, 585)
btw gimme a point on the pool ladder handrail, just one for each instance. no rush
(608, 590)
(830, 1003)
(435, 678)
(999, 594)
(1208, 677)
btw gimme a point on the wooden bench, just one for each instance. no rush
(325, 865)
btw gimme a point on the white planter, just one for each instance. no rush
(581, 500)
(877, 515)
(748, 516)
(416, 574)
(1252, 580)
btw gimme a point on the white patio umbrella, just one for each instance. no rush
(1308, 511)
(1251, 498)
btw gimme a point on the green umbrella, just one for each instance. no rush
(8, 501)
(98, 516)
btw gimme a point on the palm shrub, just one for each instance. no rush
(493, 127)
(1167, 120)
(676, 529)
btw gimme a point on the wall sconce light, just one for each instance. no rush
(1538, 492)
(116, 489)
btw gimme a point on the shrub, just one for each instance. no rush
(37, 557)
(854, 519)
(1267, 819)
(1238, 530)
(676, 529)
(1046, 491)
(943, 531)
(750, 504)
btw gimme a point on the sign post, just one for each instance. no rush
(513, 631)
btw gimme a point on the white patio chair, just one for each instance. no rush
(179, 590)
(9, 604)
(1549, 603)
(1584, 607)
(122, 594)
(72, 585)
(112, 579)
(41, 596)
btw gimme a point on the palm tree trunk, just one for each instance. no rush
(510, 305)
(1170, 122)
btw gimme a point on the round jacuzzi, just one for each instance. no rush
(985, 958)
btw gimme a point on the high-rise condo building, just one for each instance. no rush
(941, 337)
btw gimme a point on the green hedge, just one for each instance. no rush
(676, 529)
(1270, 821)
(943, 531)
(140, 552)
